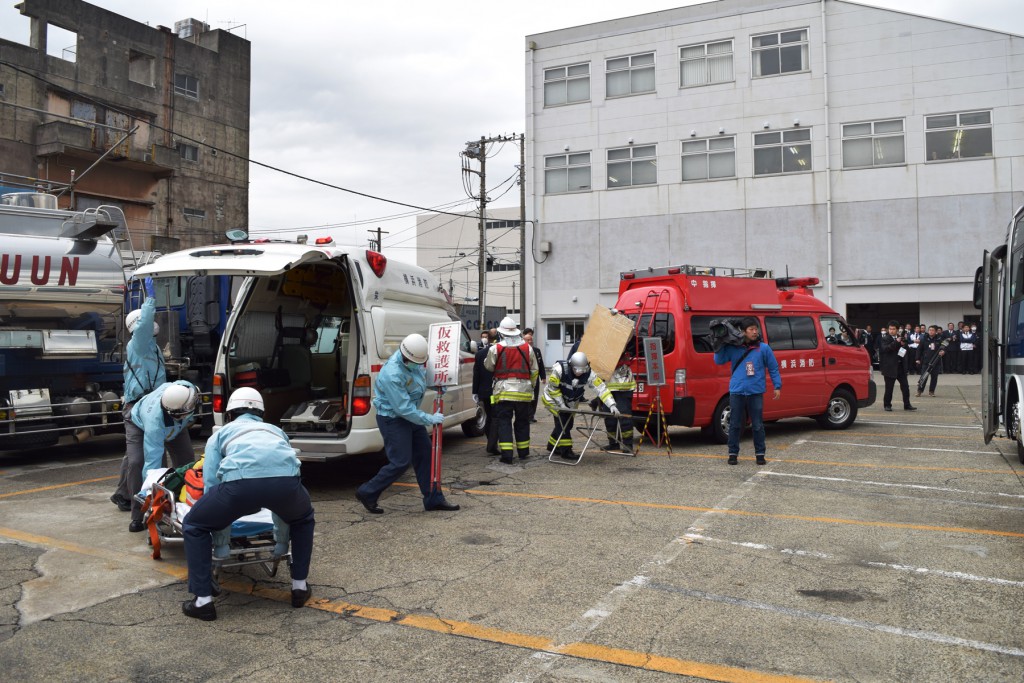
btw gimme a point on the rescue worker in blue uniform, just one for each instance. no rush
(249, 465)
(398, 391)
(143, 371)
(622, 385)
(565, 389)
(515, 373)
(747, 385)
(159, 420)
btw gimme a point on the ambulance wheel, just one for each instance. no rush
(719, 428)
(475, 427)
(1015, 425)
(841, 411)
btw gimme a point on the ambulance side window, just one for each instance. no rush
(700, 328)
(778, 334)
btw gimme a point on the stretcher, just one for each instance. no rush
(593, 423)
(252, 536)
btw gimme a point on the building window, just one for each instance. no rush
(958, 136)
(567, 84)
(140, 68)
(709, 159)
(629, 75)
(198, 214)
(705, 64)
(188, 152)
(186, 85)
(779, 53)
(874, 143)
(503, 224)
(498, 266)
(787, 151)
(567, 173)
(632, 166)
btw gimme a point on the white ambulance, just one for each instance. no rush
(311, 326)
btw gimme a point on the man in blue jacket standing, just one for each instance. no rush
(143, 371)
(158, 421)
(252, 465)
(747, 386)
(399, 389)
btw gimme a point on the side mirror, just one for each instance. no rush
(473, 348)
(979, 287)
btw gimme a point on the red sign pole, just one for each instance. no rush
(435, 443)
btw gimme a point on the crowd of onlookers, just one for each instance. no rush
(962, 353)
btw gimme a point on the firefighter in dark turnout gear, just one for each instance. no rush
(565, 389)
(515, 373)
(622, 385)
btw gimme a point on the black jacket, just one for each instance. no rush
(930, 347)
(889, 360)
(483, 379)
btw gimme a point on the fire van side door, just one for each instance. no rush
(794, 343)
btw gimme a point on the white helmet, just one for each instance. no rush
(131, 321)
(579, 363)
(180, 399)
(414, 348)
(245, 398)
(508, 328)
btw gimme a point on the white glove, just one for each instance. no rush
(476, 399)
(615, 410)
(437, 418)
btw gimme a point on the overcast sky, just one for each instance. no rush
(381, 97)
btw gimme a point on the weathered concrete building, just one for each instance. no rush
(878, 150)
(164, 113)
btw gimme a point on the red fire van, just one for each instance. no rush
(825, 373)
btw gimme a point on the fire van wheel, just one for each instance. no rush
(841, 411)
(720, 422)
(475, 427)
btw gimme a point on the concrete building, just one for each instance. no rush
(878, 150)
(448, 246)
(182, 176)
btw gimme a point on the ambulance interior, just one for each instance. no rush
(291, 342)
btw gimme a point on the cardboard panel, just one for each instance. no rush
(604, 340)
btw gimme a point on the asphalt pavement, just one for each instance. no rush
(890, 551)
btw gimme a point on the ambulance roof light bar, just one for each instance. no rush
(715, 271)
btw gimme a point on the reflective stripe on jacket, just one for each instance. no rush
(566, 390)
(622, 379)
(511, 387)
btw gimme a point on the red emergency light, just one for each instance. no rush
(377, 261)
(324, 241)
(673, 271)
(629, 276)
(797, 281)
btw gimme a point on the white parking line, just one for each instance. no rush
(768, 473)
(878, 565)
(902, 448)
(841, 621)
(916, 424)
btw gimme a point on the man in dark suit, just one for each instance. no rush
(892, 353)
(483, 379)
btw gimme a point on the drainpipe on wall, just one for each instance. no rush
(828, 152)
(532, 225)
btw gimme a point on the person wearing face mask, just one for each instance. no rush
(397, 395)
(565, 389)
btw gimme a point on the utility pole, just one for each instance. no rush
(375, 244)
(482, 260)
(514, 302)
(522, 231)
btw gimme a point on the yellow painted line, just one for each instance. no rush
(596, 653)
(56, 486)
(101, 553)
(746, 513)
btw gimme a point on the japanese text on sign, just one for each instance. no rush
(655, 361)
(443, 358)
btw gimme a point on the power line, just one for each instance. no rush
(218, 150)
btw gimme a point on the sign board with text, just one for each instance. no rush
(655, 361)
(443, 356)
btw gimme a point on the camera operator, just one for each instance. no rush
(893, 349)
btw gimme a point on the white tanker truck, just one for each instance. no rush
(61, 317)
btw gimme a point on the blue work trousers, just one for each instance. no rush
(405, 444)
(741, 407)
(224, 503)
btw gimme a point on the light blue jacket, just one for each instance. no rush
(399, 391)
(157, 426)
(248, 448)
(762, 358)
(144, 364)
